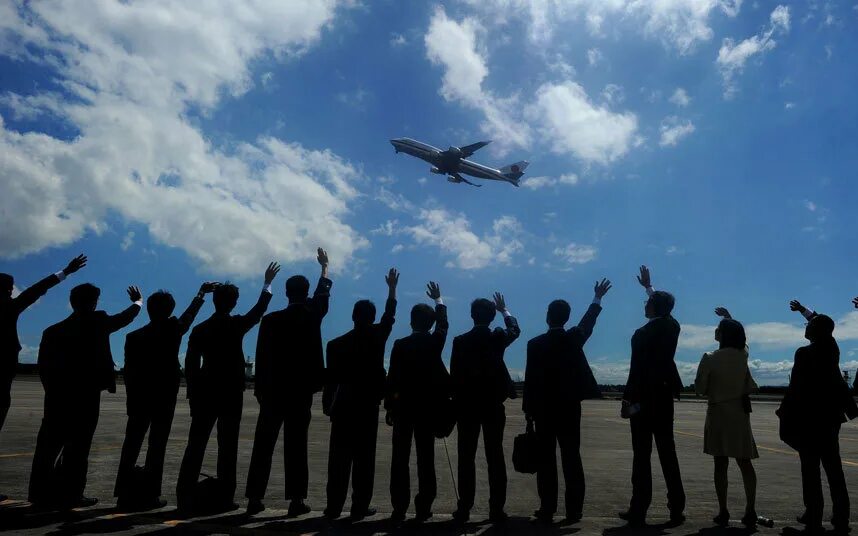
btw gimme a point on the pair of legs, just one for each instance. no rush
(658, 426)
(5, 395)
(825, 450)
(749, 478)
(294, 418)
(563, 429)
(492, 421)
(157, 421)
(352, 451)
(419, 428)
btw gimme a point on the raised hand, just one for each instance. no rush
(75, 264)
(500, 302)
(644, 278)
(134, 294)
(602, 287)
(392, 278)
(271, 272)
(855, 302)
(434, 291)
(322, 257)
(208, 286)
(723, 312)
(795, 305)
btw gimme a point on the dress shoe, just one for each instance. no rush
(297, 508)
(461, 516)
(362, 513)
(397, 516)
(254, 506)
(632, 518)
(572, 518)
(498, 517)
(420, 517)
(544, 516)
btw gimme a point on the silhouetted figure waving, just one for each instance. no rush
(417, 384)
(814, 407)
(75, 365)
(652, 385)
(354, 389)
(152, 375)
(216, 390)
(290, 368)
(557, 378)
(481, 383)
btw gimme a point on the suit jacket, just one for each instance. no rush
(417, 380)
(478, 373)
(355, 375)
(653, 376)
(290, 364)
(152, 371)
(217, 342)
(557, 374)
(10, 309)
(74, 355)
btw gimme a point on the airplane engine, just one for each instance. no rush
(455, 151)
(436, 171)
(454, 180)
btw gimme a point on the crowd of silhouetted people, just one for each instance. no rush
(423, 401)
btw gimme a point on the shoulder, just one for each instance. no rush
(538, 340)
(137, 333)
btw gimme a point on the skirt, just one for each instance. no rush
(728, 431)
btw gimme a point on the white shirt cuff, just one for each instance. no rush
(807, 313)
(267, 288)
(649, 291)
(60, 275)
(597, 300)
(439, 301)
(139, 303)
(506, 313)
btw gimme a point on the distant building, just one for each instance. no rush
(248, 369)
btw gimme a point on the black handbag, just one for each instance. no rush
(788, 429)
(444, 418)
(525, 451)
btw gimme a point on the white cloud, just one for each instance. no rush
(394, 201)
(680, 98)
(674, 129)
(536, 183)
(613, 94)
(810, 205)
(398, 40)
(576, 253)
(127, 241)
(397, 248)
(594, 56)
(732, 57)
(789, 105)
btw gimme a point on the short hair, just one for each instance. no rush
(483, 311)
(363, 312)
(160, 305)
(558, 313)
(662, 302)
(732, 334)
(84, 297)
(422, 317)
(225, 297)
(7, 282)
(820, 327)
(297, 287)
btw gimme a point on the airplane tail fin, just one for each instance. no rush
(513, 172)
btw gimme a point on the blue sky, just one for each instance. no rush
(713, 140)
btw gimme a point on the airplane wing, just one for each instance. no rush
(468, 150)
(458, 178)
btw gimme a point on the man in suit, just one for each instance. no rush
(818, 402)
(652, 385)
(354, 389)
(10, 309)
(152, 375)
(216, 390)
(417, 385)
(290, 369)
(481, 383)
(557, 378)
(75, 365)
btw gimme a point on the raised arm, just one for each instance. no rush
(795, 305)
(32, 293)
(120, 320)
(512, 331)
(441, 323)
(389, 316)
(855, 302)
(190, 313)
(585, 327)
(255, 314)
(322, 295)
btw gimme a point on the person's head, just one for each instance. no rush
(819, 328)
(558, 313)
(731, 334)
(422, 317)
(483, 312)
(84, 298)
(659, 304)
(225, 297)
(363, 313)
(7, 282)
(297, 288)
(160, 305)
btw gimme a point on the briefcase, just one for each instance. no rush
(524, 451)
(444, 419)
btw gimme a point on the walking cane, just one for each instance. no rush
(452, 476)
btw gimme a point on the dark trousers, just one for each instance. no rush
(418, 427)
(645, 428)
(294, 417)
(352, 450)
(492, 421)
(826, 451)
(563, 429)
(224, 411)
(157, 421)
(5, 397)
(61, 459)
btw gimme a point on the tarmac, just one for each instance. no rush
(605, 449)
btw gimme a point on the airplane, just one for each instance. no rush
(453, 162)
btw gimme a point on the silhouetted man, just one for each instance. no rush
(481, 383)
(557, 378)
(152, 375)
(216, 390)
(290, 369)
(354, 389)
(75, 365)
(815, 402)
(10, 309)
(652, 385)
(417, 384)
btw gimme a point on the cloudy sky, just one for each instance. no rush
(714, 140)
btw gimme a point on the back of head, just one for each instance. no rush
(84, 298)
(820, 329)
(732, 334)
(558, 313)
(160, 305)
(225, 297)
(7, 282)
(662, 303)
(483, 312)
(422, 317)
(297, 288)
(363, 313)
